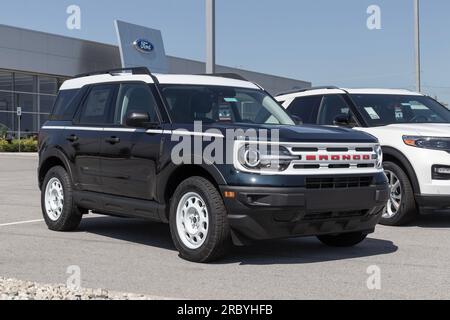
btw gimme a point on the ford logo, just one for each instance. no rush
(144, 46)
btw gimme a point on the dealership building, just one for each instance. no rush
(34, 64)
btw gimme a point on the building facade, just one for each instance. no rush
(34, 64)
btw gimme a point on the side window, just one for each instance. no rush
(135, 97)
(96, 108)
(65, 105)
(306, 108)
(334, 106)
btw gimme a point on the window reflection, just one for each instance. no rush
(6, 81)
(35, 94)
(25, 83)
(48, 85)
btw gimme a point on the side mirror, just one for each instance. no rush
(137, 120)
(342, 121)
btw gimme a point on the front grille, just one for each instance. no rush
(323, 157)
(334, 215)
(338, 182)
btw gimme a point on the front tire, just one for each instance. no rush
(198, 221)
(401, 207)
(343, 240)
(58, 208)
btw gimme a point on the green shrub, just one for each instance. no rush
(26, 145)
(3, 131)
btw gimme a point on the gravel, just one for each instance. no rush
(12, 289)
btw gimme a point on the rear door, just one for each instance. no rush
(85, 134)
(129, 155)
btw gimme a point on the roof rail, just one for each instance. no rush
(234, 76)
(135, 70)
(306, 89)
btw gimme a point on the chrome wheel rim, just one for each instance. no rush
(54, 199)
(192, 220)
(395, 196)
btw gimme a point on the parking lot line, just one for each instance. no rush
(20, 222)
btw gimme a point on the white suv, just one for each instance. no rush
(413, 129)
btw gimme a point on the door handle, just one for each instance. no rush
(72, 138)
(112, 140)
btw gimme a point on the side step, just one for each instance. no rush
(121, 206)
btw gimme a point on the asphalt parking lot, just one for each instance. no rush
(134, 256)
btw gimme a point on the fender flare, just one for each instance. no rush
(406, 164)
(163, 180)
(60, 155)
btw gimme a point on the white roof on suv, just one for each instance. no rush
(322, 91)
(77, 83)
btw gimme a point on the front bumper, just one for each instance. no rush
(423, 161)
(271, 213)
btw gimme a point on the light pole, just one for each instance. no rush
(210, 36)
(417, 44)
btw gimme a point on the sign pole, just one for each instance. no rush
(19, 118)
(210, 36)
(417, 44)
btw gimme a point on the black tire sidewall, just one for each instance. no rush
(407, 205)
(204, 188)
(70, 214)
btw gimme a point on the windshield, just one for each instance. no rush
(215, 104)
(381, 110)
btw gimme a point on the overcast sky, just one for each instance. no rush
(323, 41)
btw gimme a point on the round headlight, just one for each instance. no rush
(252, 158)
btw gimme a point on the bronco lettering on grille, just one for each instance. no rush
(357, 157)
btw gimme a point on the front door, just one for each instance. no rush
(129, 156)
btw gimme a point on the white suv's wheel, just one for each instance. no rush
(198, 221)
(395, 197)
(401, 207)
(58, 208)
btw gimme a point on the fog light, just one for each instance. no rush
(441, 172)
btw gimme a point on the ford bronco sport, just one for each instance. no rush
(127, 143)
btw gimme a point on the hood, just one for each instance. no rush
(425, 129)
(304, 133)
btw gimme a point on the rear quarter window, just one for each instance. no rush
(65, 105)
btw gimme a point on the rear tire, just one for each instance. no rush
(343, 240)
(401, 208)
(58, 207)
(199, 222)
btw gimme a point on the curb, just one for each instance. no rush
(19, 154)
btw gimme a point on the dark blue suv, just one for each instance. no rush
(214, 156)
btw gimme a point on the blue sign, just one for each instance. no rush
(143, 45)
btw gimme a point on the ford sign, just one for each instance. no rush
(143, 46)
